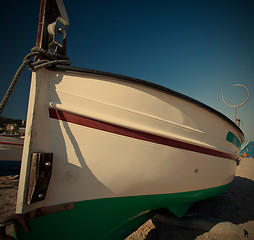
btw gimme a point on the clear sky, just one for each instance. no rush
(198, 48)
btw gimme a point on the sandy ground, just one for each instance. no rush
(8, 197)
(235, 206)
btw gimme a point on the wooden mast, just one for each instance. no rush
(49, 12)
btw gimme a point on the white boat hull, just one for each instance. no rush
(115, 137)
(10, 154)
(11, 148)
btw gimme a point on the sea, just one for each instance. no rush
(9, 167)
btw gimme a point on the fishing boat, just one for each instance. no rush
(11, 148)
(104, 152)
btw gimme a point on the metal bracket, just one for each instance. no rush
(57, 30)
(40, 173)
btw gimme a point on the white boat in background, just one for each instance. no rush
(103, 152)
(11, 149)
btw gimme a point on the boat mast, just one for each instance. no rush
(51, 37)
(52, 26)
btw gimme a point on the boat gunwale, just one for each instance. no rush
(161, 88)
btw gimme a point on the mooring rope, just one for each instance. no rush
(45, 59)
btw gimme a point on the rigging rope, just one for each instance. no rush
(45, 59)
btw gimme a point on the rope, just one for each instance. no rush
(45, 60)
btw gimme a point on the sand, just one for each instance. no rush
(8, 197)
(235, 206)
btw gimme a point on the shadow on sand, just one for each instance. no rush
(235, 206)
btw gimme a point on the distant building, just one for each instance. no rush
(10, 126)
(22, 131)
(13, 129)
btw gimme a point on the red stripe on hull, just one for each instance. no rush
(9, 143)
(107, 127)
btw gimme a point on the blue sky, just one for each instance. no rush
(198, 48)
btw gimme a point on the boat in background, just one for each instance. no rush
(11, 148)
(247, 150)
(104, 152)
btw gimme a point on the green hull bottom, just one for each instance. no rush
(111, 218)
